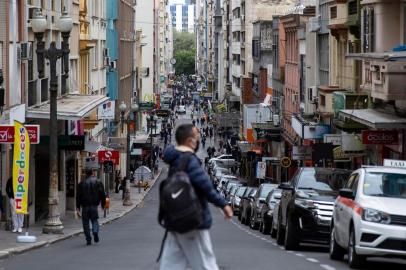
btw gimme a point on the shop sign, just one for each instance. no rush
(106, 110)
(146, 106)
(286, 162)
(67, 142)
(162, 113)
(268, 134)
(335, 139)
(308, 131)
(109, 155)
(91, 162)
(136, 152)
(380, 137)
(261, 170)
(394, 163)
(351, 143)
(7, 133)
(302, 152)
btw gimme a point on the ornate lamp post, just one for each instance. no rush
(39, 26)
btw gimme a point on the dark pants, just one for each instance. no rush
(89, 213)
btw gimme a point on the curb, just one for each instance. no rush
(5, 254)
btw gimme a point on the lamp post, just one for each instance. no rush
(39, 26)
(152, 124)
(133, 110)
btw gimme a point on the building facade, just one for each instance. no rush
(183, 17)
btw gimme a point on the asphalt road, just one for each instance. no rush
(133, 243)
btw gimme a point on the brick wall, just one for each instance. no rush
(263, 83)
(247, 95)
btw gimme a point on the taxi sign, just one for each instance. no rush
(394, 163)
(286, 162)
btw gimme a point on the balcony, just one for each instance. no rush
(338, 18)
(354, 17)
(236, 24)
(236, 70)
(236, 47)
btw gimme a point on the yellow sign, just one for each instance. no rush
(286, 162)
(21, 162)
(149, 98)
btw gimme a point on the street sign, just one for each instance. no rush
(7, 133)
(146, 106)
(108, 167)
(335, 139)
(286, 162)
(302, 152)
(109, 155)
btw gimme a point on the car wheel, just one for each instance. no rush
(253, 223)
(273, 232)
(354, 260)
(280, 233)
(246, 219)
(261, 227)
(336, 252)
(291, 241)
(267, 227)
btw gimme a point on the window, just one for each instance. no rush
(322, 100)
(310, 94)
(255, 48)
(53, 5)
(44, 90)
(32, 93)
(368, 29)
(333, 12)
(352, 7)
(324, 59)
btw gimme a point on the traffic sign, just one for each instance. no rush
(7, 133)
(286, 162)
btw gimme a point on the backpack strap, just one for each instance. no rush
(162, 246)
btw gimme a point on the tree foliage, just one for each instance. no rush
(184, 49)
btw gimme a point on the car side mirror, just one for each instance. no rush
(347, 193)
(286, 186)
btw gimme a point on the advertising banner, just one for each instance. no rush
(21, 162)
(261, 169)
(106, 110)
(380, 137)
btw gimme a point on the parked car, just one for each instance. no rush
(231, 193)
(256, 204)
(181, 109)
(224, 160)
(223, 181)
(369, 217)
(229, 185)
(218, 173)
(306, 206)
(236, 200)
(245, 207)
(267, 210)
(275, 215)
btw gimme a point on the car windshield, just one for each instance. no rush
(321, 179)
(247, 192)
(265, 190)
(276, 193)
(240, 191)
(385, 184)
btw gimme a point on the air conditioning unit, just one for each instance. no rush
(106, 61)
(113, 64)
(276, 120)
(26, 51)
(144, 72)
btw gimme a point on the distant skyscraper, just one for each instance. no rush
(183, 17)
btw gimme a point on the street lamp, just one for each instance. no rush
(39, 26)
(152, 124)
(133, 109)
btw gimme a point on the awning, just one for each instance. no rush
(70, 107)
(375, 119)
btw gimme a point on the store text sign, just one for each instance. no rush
(109, 155)
(380, 137)
(7, 133)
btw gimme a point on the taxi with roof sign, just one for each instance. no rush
(369, 216)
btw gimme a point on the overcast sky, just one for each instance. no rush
(176, 1)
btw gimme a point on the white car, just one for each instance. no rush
(223, 161)
(181, 109)
(369, 217)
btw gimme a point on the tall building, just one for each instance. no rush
(183, 16)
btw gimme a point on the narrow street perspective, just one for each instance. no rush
(202, 134)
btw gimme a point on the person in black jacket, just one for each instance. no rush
(90, 193)
(193, 248)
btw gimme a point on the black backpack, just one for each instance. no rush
(179, 207)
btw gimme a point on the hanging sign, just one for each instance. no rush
(109, 155)
(286, 162)
(21, 162)
(380, 137)
(106, 110)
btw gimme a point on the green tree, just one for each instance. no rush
(184, 49)
(185, 62)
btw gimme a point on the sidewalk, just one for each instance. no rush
(72, 225)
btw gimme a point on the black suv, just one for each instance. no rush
(306, 206)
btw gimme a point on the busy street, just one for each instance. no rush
(135, 240)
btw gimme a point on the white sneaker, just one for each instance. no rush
(20, 230)
(14, 230)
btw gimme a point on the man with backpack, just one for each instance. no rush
(184, 209)
(90, 193)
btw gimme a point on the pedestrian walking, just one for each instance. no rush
(193, 247)
(1, 205)
(90, 193)
(202, 120)
(193, 122)
(198, 121)
(16, 219)
(204, 141)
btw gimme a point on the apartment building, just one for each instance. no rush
(183, 17)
